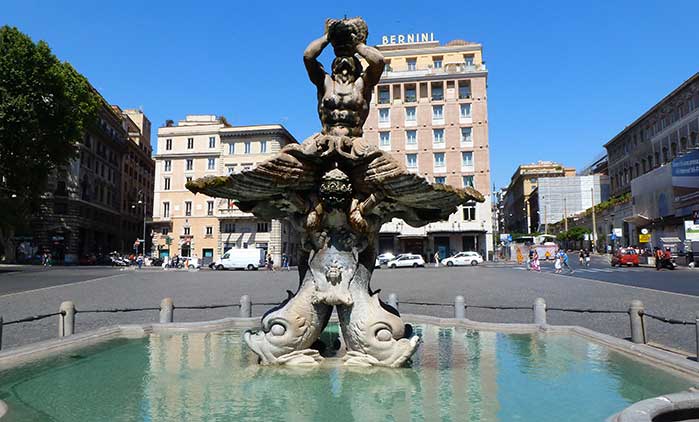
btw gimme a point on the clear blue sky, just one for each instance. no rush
(564, 78)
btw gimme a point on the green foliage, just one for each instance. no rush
(45, 105)
(575, 233)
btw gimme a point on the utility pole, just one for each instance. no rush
(546, 219)
(529, 219)
(565, 214)
(594, 221)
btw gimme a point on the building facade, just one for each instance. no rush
(186, 224)
(430, 111)
(82, 214)
(517, 208)
(652, 162)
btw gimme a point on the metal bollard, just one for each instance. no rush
(66, 320)
(696, 321)
(393, 300)
(539, 311)
(167, 310)
(638, 334)
(459, 307)
(245, 306)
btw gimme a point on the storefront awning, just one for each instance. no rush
(638, 220)
(670, 240)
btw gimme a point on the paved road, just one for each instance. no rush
(108, 288)
(682, 280)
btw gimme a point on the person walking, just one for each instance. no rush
(587, 258)
(557, 264)
(658, 259)
(285, 262)
(581, 257)
(270, 262)
(436, 259)
(139, 261)
(535, 264)
(564, 261)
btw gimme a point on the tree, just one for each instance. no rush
(45, 105)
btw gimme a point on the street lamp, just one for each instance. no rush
(141, 202)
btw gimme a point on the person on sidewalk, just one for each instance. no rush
(139, 261)
(436, 259)
(557, 264)
(535, 264)
(564, 261)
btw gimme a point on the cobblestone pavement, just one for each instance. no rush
(106, 288)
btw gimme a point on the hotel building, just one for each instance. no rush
(186, 224)
(430, 111)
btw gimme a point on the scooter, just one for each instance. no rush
(670, 264)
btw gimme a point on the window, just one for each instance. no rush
(438, 159)
(383, 115)
(231, 148)
(190, 143)
(465, 110)
(229, 227)
(437, 112)
(464, 90)
(164, 230)
(263, 147)
(168, 144)
(167, 165)
(166, 183)
(410, 115)
(410, 94)
(467, 181)
(469, 211)
(411, 161)
(211, 164)
(188, 208)
(209, 207)
(440, 179)
(262, 227)
(438, 136)
(187, 230)
(412, 64)
(466, 135)
(188, 179)
(437, 62)
(212, 142)
(385, 139)
(384, 95)
(468, 59)
(209, 230)
(166, 209)
(230, 170)
(467, 159)
(189, 165)
(247, 147)
(437, 92)
(411, 137)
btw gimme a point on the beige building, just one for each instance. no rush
(188, 225)
(430, 111)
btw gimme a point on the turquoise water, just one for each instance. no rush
(457, 375)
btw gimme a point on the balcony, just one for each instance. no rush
(447, 69)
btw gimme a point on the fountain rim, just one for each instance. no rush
(665, 360)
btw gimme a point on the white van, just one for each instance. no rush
(248, 259)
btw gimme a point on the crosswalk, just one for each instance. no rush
(582, 270)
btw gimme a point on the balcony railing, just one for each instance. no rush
(450, 68)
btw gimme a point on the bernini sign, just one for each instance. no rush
(408, 38)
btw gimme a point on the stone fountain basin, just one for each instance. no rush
(488, 371)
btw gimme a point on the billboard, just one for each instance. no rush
(685, 178)
(653, 194)
(691, 231)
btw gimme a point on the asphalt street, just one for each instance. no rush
(33, 292)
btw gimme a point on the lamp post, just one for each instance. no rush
(141, 202)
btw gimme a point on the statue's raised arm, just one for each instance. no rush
(315, 69)
(373, 72)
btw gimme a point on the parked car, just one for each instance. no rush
(407, 260)
(463, 258)
(625, 256)
(377, 263)
(249, 259)
(384, 258)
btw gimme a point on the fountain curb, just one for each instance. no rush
(648, 410)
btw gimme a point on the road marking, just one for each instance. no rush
(62, 285)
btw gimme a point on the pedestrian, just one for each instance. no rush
(285, 262)
(587, 258)
(139, 261)
(564, 262)
(529, 260)
(436, 259)
(270, 262)
(658, 259)
(581, 257)
(557, 264)
(535, 264)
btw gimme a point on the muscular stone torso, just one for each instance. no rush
(342, 107)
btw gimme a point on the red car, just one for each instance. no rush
(625, 256)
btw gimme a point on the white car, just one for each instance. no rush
(407, 260)
(384, 258)
(463, 258)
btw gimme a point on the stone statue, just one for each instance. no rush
(337, 191)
